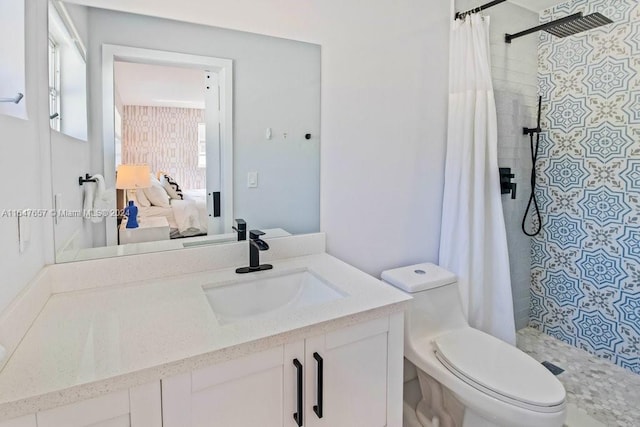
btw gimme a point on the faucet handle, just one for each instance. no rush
(255, 234)
(242, 224)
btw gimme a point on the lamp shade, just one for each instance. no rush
(129, 177)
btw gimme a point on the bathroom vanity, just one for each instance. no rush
(313, 342)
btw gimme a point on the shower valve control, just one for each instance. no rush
(531, 131)
(506, 186)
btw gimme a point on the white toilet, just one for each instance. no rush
(467, 377)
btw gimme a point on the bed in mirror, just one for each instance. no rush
(187, 129)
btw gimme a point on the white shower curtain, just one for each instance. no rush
(473, 241)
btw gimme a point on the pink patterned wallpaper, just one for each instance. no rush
(165, 138)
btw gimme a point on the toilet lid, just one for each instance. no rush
(499, 369)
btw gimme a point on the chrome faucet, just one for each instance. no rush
(256, 244)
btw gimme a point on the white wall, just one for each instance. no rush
(25, 166)
(80, 17)
(69, 149)
(384, 103)
(71, 232)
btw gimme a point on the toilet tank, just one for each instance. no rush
(435, 307)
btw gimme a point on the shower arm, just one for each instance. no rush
(509, 37)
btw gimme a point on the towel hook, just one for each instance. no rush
(87, 178)
(14, 100)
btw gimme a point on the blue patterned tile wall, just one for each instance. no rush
(585, 287)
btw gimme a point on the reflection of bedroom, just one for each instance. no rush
(160, 123)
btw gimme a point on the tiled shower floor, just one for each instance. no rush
(607, 392)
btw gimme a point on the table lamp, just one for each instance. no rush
(132, 177)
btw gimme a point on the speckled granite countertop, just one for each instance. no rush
(87, 343)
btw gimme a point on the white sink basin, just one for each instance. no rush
(269, 295)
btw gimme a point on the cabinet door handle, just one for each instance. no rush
(320, 362)
(297, 416)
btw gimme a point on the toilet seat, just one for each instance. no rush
(499, 370)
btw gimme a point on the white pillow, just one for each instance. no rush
(139, 198)
(157, 195)
(172, 187)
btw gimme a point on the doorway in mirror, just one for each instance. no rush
(170, 113)
(168, 119)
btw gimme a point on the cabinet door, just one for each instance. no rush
(354, 376)
(248, 391)
(26, 421)
(136, 407)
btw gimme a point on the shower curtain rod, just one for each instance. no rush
(479, 8)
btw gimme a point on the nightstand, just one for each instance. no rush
(150, 230)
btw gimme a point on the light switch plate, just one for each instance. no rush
(252, 180)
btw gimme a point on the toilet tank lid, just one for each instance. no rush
(418, 277)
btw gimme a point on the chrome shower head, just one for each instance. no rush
(578, 24)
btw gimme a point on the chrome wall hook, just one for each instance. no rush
(15, 100)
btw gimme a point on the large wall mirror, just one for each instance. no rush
(191, 126)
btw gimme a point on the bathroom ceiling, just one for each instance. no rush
(159, 86)
(537, 5)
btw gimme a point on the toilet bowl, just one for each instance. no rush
(467, 377)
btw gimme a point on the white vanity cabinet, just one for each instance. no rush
(136, 407)
(352, 376)
(349, 377)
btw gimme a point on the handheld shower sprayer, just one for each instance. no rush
(533, 201)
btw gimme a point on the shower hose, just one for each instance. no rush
(533, 201)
